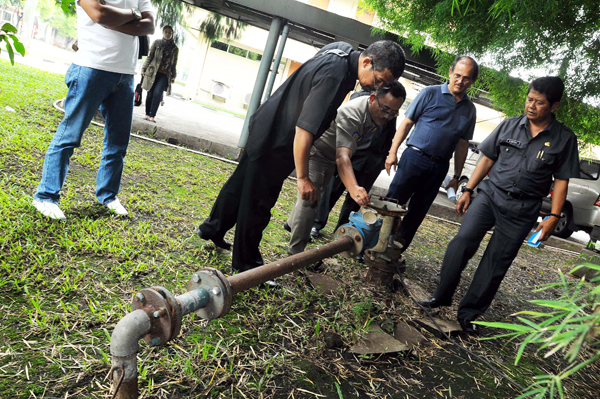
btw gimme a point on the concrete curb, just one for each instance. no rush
(152, 130)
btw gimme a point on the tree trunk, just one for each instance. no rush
(29, 11)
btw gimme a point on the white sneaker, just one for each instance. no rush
(48, 209)
(117, 208)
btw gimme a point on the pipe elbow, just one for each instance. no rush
(126, 335)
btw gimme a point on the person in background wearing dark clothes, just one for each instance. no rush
(282, 131)
(159, 71)
(367, 163)
(522, 155)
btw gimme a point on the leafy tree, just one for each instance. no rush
(560, 37)
(52, 13)
(214, 27)
(8, 32)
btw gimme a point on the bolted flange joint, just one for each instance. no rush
(354, 233)
(164, 312)
(212, 282)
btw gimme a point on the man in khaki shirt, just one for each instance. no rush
(357, 120)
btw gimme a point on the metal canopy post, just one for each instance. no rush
(261, 78)
(275, 69)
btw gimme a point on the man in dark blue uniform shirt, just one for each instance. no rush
(281, 134)
(444, 119)
(521, 155)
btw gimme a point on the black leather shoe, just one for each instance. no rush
(431, 303)
(468, 327)
(221, 243)
(315, 233)
(287, 227)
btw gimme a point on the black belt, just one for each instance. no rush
(519, 196)
(434, 158)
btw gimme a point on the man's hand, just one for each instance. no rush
(463, 203)
(547, 226)
(307, 190)
(453, 184)
(360, 195)
(391, 160)
(142, 73)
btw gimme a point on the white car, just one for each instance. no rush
(582, 207)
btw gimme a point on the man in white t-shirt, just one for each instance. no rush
(100, 77)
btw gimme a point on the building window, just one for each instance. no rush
(219, 46)
(231, 49)
(254, 56)
(238, 51)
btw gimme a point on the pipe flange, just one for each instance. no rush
(174, 310)
(357, 238)
(386, 207)
(219, 289)
(163, 316)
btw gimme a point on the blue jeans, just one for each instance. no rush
(90, 89)
(155, 94)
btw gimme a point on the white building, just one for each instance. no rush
(223, 74)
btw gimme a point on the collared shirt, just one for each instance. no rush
(309, 99)
(371, 152)
(440, 121)
(353, 124)
(524, 164)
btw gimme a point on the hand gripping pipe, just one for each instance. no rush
(157, 314)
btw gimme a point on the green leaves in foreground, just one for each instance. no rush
(8, 31)
(570, 326)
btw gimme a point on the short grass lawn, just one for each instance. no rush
(65, 284)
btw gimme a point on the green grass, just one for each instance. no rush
(65, 285)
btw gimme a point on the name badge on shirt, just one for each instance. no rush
(511, 142)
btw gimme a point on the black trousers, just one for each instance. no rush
(155, 94)
(365, 178)
(513, 220)
(245, 201)
(418, 178)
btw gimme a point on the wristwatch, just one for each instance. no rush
(468, 190)
(457, 177)
(136, 13)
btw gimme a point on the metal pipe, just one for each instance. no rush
(159, 318)
(384, 233)
(275, 69)
(123, 348)
(251, 278)
(261, 78)
(193, 300)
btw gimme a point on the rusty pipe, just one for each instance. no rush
(158, 316)
(384, 234)
(251, 278)
(123, 348)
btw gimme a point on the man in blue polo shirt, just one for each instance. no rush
(445, 120)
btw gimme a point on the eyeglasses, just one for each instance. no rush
(386, 110)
